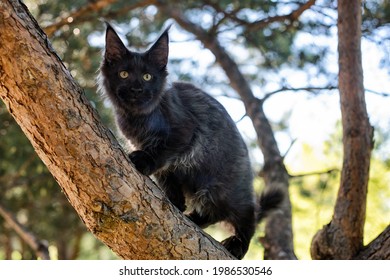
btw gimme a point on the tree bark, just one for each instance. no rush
(343, 237)
(378, 249)
(122, 208)
(278, 240)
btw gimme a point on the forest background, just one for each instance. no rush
(291, 64)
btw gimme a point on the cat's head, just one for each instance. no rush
(134, 81)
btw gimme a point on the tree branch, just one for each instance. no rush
(40, 247)
(378, 249)
(383, 94)
(315, 173)
(95, 7)
(287, 88)
(77, 16)
(343, 237)
(122, 208)
(314, 90)
(290, 18)
(259, 24)
(289, 148)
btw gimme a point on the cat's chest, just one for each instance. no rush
(141, 130)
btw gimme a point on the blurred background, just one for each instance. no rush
(289, 62)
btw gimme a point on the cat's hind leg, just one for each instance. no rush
(202, 221)
(240, 215)
(244, 226)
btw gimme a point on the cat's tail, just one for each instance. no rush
(268, 201)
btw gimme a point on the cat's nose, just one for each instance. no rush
(136, 90)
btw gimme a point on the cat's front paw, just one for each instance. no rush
(143, 162)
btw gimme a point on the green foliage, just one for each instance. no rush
(376, 14)
(313, 197)
(376, 24)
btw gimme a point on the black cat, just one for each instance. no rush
(185, 138)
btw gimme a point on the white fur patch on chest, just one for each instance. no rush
(191, 158)
(199, 202)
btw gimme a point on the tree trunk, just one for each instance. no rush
(343, 237)
(124, 209)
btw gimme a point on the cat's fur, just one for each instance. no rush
(184, 137)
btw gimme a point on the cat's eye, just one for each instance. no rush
(123, 74)
(147, 77)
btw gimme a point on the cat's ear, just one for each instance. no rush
(158, 53)
(115, 49)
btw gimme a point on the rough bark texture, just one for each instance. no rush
(124, 209)
(343, 237)
(278, 241)
(378, 249)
